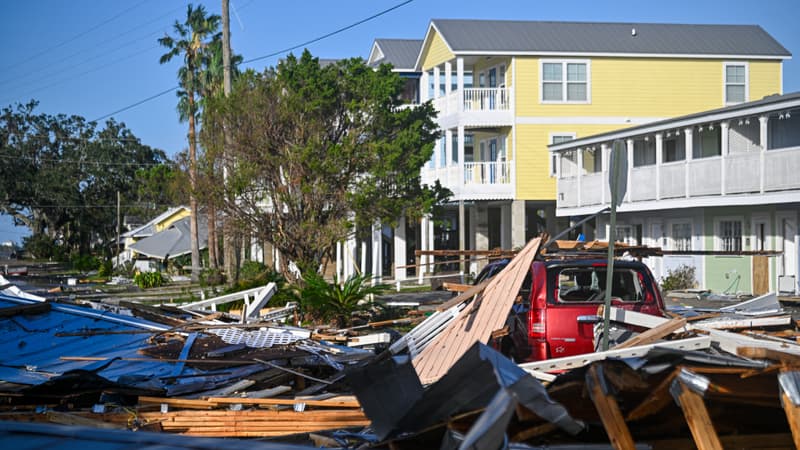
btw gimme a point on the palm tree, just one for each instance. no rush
(191, 40)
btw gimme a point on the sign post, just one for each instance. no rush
(617, 181)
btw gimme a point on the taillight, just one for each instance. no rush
(538, 327)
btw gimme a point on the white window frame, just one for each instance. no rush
(672, 241)
(725, 66)
(554, 172)
(759, 219)
(564, 63)
(718, 241)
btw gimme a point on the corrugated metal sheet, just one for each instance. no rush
(593, 37)
(174, 241)
(33, 345)
(401, 53)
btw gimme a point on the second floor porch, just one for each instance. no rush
(740, 159)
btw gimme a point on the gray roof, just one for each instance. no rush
(401, 53)
(595, 37)
(172, 242)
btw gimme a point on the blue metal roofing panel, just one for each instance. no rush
(32, 349)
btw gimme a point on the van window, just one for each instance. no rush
(587, 284)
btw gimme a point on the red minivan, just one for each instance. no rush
(556, 310)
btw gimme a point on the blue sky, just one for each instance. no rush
(93, 57)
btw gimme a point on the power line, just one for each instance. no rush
(374, 16)
(312, 41)
(77, 36)
(83, 162)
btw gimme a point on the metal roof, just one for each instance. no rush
(513, 37)
(172, 242)
(149, 228)
(401, 53)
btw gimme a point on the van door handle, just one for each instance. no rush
(589, 319)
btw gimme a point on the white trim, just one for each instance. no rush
(718, 243)
(431, 26)
(565, 82)
(694, 120)
(780, 79)
(671, 235)
(725, 65)
(554, 170)
(377, 52)
(690, 202)
(758, 218)
(614, 54)
(585, 120)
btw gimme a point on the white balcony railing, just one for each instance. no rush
(744, 173)
(487, 173)
(486, 99)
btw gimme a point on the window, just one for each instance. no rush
(644, 152)
(674, 149)
(565, 82)
(707, 142)
(592, 160)
(735, 83)
(682, 236)
(558, 139)
(730, 235)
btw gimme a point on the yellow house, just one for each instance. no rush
(155, 225)
(505, 90)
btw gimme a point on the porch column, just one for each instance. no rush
(687, 133)
(431, 246)
(339, 261)
(462, 234)
(517, 223)
(436, 82)
(460, 177)
(448, 149)
(424, 83)
(605, 153)
(377, 253)
(400, 249)
(764, 138)
(659, 156)
(460, 84)
(423, 246)
(448, 74)
(724, 151)
(580, 175)
(481, 231)
(505, 225)
(629, 145)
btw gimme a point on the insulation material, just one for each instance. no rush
(476, 322)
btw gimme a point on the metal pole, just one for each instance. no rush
(616, 155)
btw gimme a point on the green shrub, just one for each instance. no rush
(682, 277)
(84, 263)
(211, 277)
(149, 279)
(252, 270)
(106, 268)
(336, 301)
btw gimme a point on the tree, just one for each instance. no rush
(319, 150)
(60, 174)
(191, 41)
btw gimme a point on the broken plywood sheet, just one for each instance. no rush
(476, 322)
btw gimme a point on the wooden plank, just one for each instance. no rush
(571, 362)
(609, 412)
(474, 323)
(793, 416)
(697, 417)
(658, 399)
(654, 334)
(177, 402)
(333, 403)
(34, 308)
(760, 274)
(769, 353)
(456, 287)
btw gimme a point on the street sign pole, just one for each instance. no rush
(615, 174)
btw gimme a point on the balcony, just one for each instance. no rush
(755, 174)
(476, 107)
(481, 180)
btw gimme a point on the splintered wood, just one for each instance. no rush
(476, 322)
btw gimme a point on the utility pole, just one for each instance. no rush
(231, 267)
(119, 226)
